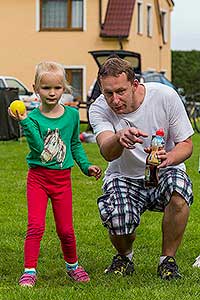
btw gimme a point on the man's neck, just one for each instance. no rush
(138, 96)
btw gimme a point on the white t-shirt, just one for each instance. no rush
(161, 108)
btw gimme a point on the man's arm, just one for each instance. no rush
(109, 145)
(177, 155)
(112, 144)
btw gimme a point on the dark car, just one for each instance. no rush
(135, 59)
(152, 76)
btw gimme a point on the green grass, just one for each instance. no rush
(94, 249)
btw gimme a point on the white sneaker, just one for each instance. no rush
(197, 262)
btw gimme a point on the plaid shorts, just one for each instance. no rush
(125, 199)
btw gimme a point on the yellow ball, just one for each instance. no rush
(19, 106)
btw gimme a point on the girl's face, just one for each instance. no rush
(51, 88)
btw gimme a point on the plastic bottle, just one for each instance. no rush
(152, 160)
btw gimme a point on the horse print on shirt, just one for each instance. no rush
(53, 147)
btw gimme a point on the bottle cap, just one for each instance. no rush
(160, 132)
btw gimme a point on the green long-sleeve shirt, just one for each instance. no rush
(54, 142)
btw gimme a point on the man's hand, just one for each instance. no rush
(128, 137)
(162, 155)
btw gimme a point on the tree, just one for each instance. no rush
(186, 71)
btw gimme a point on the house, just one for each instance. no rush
(65, 30)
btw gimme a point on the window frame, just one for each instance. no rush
(140, 17)
(149, 18)
(83, 79)
(164, 25)
(68, 26)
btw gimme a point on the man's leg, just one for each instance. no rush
(120, 209)
(122, 262)
(123, 243)
(174, 222)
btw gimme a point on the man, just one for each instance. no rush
(124, 118)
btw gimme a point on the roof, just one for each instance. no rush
(118, 18)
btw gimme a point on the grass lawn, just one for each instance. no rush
(94, 249)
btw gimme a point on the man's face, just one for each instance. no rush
(119, 92)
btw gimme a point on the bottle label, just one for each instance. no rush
(157, 143)
(147, 173)
(152, 161)
(153, 158)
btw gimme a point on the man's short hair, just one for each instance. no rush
(114, 66)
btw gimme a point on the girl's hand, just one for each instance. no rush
(95, 171)
(17, 116)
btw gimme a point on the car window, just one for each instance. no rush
(101, 59)
(2, 85)
(154, 78)
(12, 83)
(157, 78)
(135, 62)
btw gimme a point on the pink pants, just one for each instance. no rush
(43, 183)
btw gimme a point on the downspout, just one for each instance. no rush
(100, 14)
(120, 42)
(160, 31)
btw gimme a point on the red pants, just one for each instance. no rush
(43, 183)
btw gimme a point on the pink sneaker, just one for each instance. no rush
(28, 280)
(79, 275)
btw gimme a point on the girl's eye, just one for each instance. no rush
(48, 88)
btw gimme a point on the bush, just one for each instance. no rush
(186, 70)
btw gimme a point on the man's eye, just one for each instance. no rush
(121, 92)
(108, 94)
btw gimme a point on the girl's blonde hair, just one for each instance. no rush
(51, 66)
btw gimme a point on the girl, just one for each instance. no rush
(52, 132)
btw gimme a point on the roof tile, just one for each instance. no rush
(118, 18)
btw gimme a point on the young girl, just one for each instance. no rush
(52, 132)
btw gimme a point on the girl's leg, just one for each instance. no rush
(37, 203)
(62, 208)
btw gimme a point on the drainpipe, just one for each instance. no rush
(160, 58)
(120, 42)
(100, 13)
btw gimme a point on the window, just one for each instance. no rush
(61, 15)
(15, 84)
(2, 85)
(149, 21)
(75, 79)
(163, 17)
(139, 18)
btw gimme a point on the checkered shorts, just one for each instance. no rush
(125, 199)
